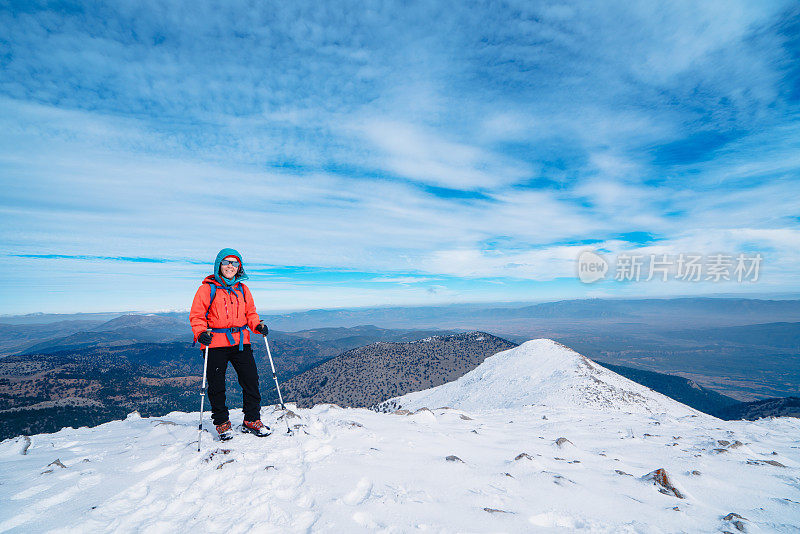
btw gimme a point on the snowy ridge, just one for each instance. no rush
(543, 372)
(634, 464)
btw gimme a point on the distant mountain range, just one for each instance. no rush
(689, 311)
(124, 330)
(713, 341)
(88, 368)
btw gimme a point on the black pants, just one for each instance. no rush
(245, 366)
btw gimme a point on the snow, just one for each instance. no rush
(543, 372)
(356, 470)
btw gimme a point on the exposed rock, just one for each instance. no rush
(718, 451)
(736, 444)
(401, 412)
(423, 410)
(26, 445)
(466, 417)
(57, 462)
(695, 473)
(522, 455)
(562, 480)
(737, 521)
(544, 417)
(661, 480)
(733, 515)
(224, 463)
(288, 414)
(453, 458)
(355, 424)
(165, 422)
(723, 442)
(509, 475)
(267, 468)
(216, 452)
(619, 472)
(495, 511)
(562, 441)
(768, 462)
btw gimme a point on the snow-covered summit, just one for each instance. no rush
(607, 455)
(543, 372)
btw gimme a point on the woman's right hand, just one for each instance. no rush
(205, 338)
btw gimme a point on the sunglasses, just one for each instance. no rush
(229, 262)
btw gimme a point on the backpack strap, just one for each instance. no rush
(241, 288)
(213, 294)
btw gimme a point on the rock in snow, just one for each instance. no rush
(357, 470)
(660, 478)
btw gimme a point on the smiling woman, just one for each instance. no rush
(222, 311)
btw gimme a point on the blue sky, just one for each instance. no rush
(382, 153)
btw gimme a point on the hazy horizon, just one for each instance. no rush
(480, 304)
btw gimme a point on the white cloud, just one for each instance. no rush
(414, 153)
(317, 136)
(402, 279)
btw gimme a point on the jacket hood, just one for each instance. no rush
(221, 255)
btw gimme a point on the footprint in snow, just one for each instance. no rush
(359, 494)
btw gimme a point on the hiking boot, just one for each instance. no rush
(256, 427)
(225, 431)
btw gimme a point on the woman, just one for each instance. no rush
(224, 305)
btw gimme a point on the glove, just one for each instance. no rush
(262, 329)
(204, 338)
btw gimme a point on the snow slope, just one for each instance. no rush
(355, 470)
(546, 373)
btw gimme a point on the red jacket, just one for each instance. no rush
(227, 310)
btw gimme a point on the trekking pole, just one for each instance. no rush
(202, 396)
(277, 386)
